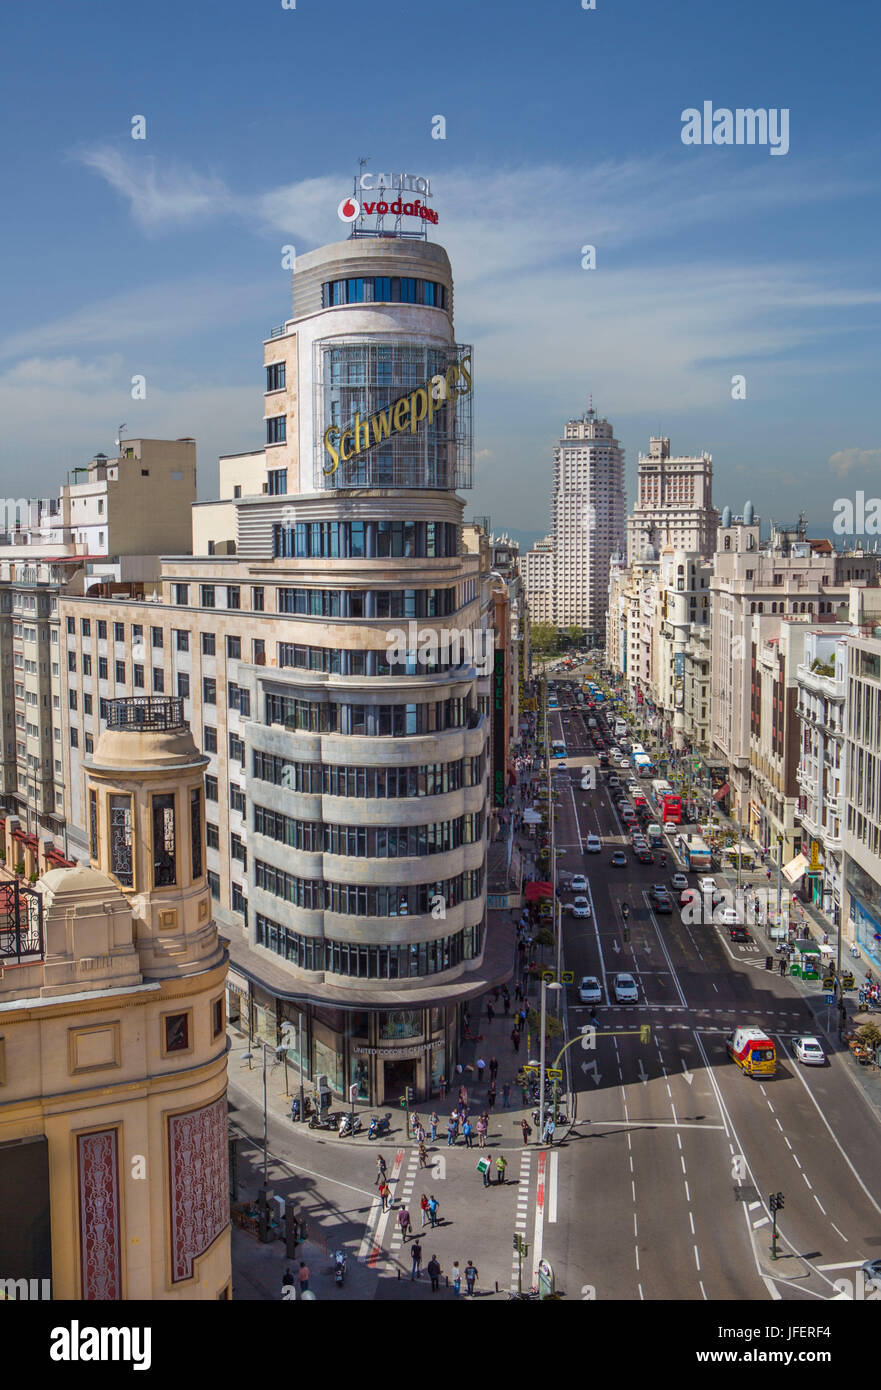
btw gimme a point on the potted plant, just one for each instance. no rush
(19, 868)
(32, 878)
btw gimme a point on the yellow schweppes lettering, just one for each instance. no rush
(404, 414)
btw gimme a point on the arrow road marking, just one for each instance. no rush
(591, 1067)
(689, 1076)
(643, 1074)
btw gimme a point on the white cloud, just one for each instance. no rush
(855, 460)
(159, 194)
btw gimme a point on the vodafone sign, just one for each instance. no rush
(385, 195)
(348, 210)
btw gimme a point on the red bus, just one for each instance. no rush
(671, 808)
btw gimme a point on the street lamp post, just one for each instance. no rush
(779, 876)
(246, 1057)
(739, 839)
(542, 1054)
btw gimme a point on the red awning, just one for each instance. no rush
(538, 890)
(721, 791)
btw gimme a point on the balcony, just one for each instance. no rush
(21, 923)
(146, 712)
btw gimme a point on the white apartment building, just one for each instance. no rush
(680, 687)
(587, 507)
(537, 569)
(821, 678)
(862, 793)
(674, 503)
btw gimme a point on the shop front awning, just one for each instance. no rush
(537, 890)
(794, 870)
(531, 817)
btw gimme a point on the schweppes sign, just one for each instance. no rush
(403, 415)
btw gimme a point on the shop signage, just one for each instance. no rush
(397, 1051)
(815, 869)
(404, 414)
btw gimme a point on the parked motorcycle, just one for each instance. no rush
(329, 1121)
(379, 1126)
(339, 1268)
(348, 1127)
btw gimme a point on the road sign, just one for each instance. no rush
(830, 1000)
(555, 1073)
(548, 976)
(568, 977)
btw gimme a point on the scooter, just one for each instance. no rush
(339, 1268)
(379, 1126)
(324, 1121)
(347, 1126)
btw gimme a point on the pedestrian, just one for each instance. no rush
(303, 1277)
(782, 968)
(515, 1038)
(404, 1222)
(491, 1097)
(433, 1124)
(518, 994)
(380, 1176)
(415, 1125)
(420, 1136)
(490, 1011)
(506, 1002)
(463, 1096)
(423, 1207)
(550, 1127)
(432, 1209)
(467, 1134)
(456, 1278)
(416, 1257)
(385, 1193)
(522, 1018)
(452, 1132)
(481, 1068)
(493, 1068)
(434, 1273)
(470, 1278)
(442, 1087)
(506, 1095)
(423, 1154)
(527, 1130)
(485, 1170)
(501, 1165)
(481, 1133)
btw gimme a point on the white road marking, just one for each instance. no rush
(691, 1221)
(703, 1290)
(850, 1264)
(820, 1204)
(841, 1233)
(764, 1221)
(697, 1260)
(552, 1187)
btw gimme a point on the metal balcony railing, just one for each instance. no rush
(154, 712)
(21, 923)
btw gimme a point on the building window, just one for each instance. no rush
(93, 823)
(86, 627)
(210, 788)
(209, 691)
(212, 836)
(89, 744)
(233, 596)
(209, 738)
(138, 677)
(158, 680)
(119, 632)
(234, 648)
(121, 839)
(275, 376)
(71, 699)
(71, 627)
(218, 1022)
(102, 668)
(278, 482)
(177, 1032)
(104, 710)
(213, 883)
(183, 685)
(181, 640)
(156, 636)
(87, 665)
(207, 595)
(237, 848)
(237, 749)
(237, 798)
(181, 592)
(196, 830)
(208, 644)
(257, 598)
(275, 429)
(239, 901)
(164, 853)
(71, 661)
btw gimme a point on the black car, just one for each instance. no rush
(738, 933)
(619, 859)
(661, 898)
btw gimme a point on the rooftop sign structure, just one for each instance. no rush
(389, 204)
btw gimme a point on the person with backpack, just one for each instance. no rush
(385, 1193)
(432, 1209)
(526, 1127)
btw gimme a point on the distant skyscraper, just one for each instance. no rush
(588, 527)
(674, 503)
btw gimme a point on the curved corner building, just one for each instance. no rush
(366, 749)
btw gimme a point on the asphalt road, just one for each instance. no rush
(667, 1177)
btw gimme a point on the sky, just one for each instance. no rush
(162, 257)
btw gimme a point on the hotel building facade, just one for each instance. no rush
(321, 644)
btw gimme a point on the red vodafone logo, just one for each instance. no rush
(348, 210)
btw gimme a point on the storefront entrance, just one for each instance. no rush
(397, 1076)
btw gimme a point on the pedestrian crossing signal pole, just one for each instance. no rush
(776, 1202)
(521, 1250)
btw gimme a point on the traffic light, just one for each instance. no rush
(776, 1201)
(780, 1201)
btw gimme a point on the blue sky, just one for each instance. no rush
(163, 257)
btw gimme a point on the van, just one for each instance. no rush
(653, 834)
(753, 1051)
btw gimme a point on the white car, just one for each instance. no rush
(707, 885)
(593, 844)
(590, 991)
(578, 884)
(671, 827)
(623, 762)
(626, 989)
(727, 917)
(808, 1051)
(679, 881)
(580, 908)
